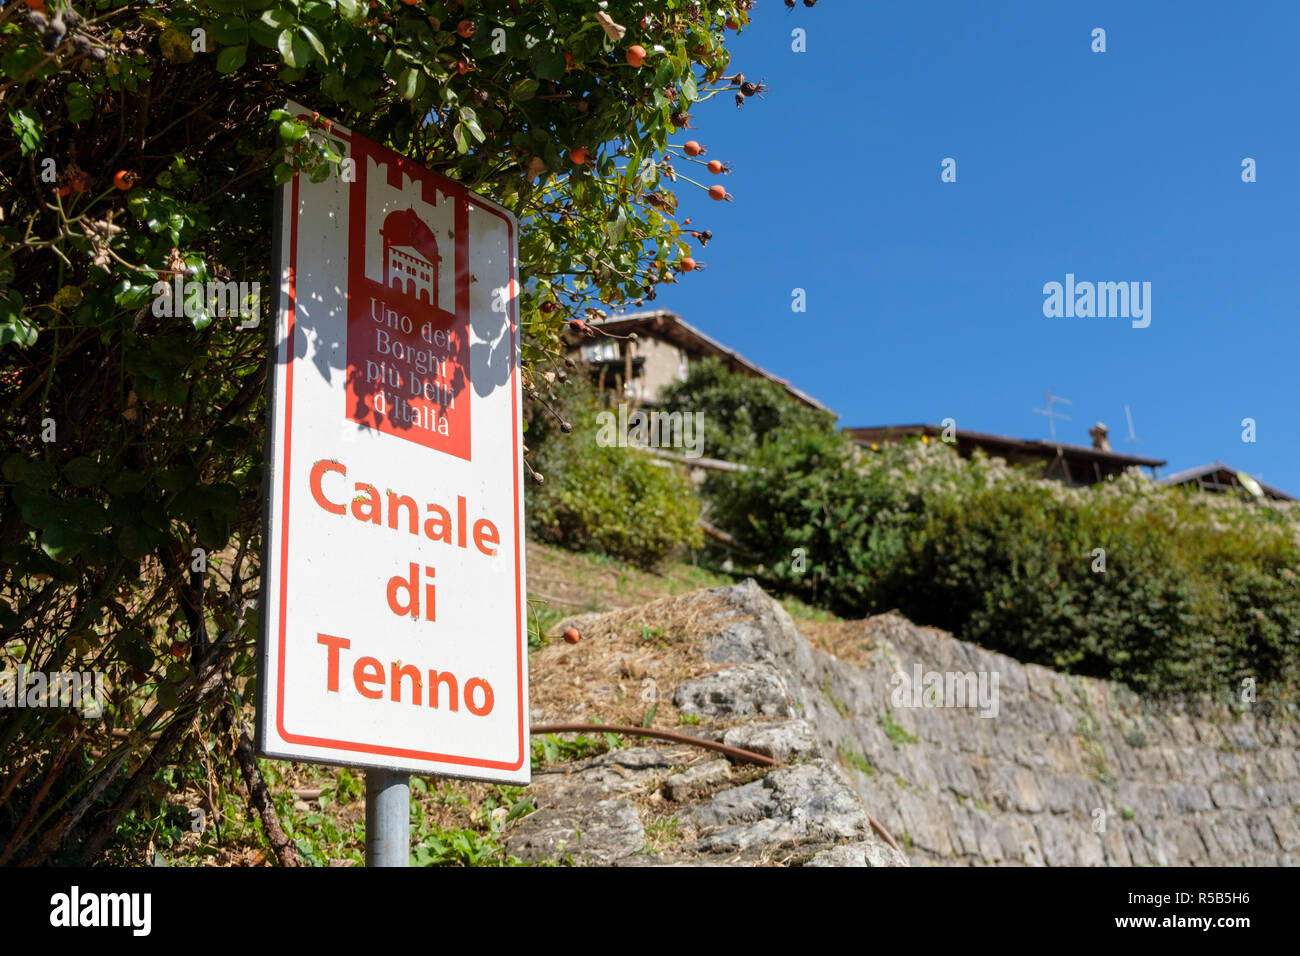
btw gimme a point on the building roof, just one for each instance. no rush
(1225, 476)
(1004, 445)
(670, 326)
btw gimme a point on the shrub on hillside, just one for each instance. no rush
(1199, 592)
(740, 412)
(612, 500)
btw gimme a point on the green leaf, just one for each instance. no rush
(168, 698)
(293, 48)
(13, 468)
(524, 90)
(82, 472)
(133, 296)
(689, 91)
(133, 647)
(177, 478)
(410, 83)
(470, 119)
(125, 482)
(230, 31)
(223, 499)
(310, 35)
(352, 10)
(212, 531)
(41, 510)
(78, 101)
(263, 33)
(291, 131)
(61, 543)
(232, 436)
(85, 515)
(17, 63)
(316, 11)
(231, 58)
(14, 325)
(549, 66)
(28, 128)
(278, 18)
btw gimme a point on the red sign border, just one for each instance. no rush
(462, 195)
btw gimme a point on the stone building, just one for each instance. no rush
(637, 370)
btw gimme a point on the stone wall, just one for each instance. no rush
(1067, 772)
(1070, 772)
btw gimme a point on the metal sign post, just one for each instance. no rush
(388, 818)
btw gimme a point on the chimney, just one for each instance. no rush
(1099, 439)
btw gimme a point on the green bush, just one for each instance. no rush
(740, 412)
(1199, 591)
(613, 500)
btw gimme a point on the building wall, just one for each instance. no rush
(665, 363)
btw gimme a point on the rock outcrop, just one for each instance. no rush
(965, 756)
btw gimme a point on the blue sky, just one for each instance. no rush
(924, 298)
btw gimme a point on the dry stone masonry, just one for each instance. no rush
(1070, 771)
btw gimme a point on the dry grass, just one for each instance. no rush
(627, 662)
(584, 582)
(851, 641)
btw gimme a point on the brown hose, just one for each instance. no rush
(735, 752)
(884, 834)
(748, 756)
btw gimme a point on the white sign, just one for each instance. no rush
(393, 603)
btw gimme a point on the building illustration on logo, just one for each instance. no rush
(410, 236)
(408, 305)
(410, 256)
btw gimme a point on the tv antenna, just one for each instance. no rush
(1051, 415)
(1132, 435)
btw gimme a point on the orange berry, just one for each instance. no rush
(571, 636)
(718, 192)
(688, 264)
(578, 156)
(692, 148)
(636, 55)
(124, 179)
(715, 166)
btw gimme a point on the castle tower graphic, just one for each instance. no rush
(408, 353)
(410, 236)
